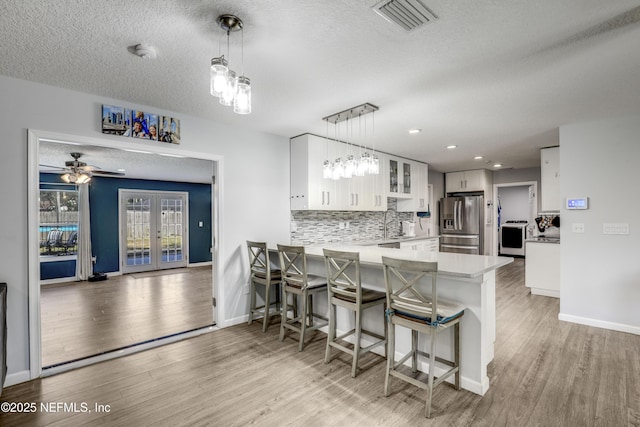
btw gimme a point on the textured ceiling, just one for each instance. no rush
(495, 77)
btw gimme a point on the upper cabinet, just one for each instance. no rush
(311, 191)
(400, 176)
(550, 179)
(471, 180)
(418, 200)
(406, 180)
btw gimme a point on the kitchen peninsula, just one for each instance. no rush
(468, 279)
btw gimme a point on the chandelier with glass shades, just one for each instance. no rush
(232, 90)
(360, 160)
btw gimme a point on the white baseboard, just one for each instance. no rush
(58, 280)
(199, 264)
(17, 378)
(600, 323)
(545, 292)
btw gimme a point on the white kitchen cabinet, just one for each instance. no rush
(420, 190)
(542, 268)
(399, 177)
(550, 179)
(311, 191)
(471, 180)
(430, 244)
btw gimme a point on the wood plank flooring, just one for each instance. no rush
(81, 319)
(545, 373)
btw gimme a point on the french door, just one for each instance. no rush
(153, 230)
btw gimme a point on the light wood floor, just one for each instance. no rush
(545, 372)
(81, 319)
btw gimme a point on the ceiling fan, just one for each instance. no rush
(77, 172)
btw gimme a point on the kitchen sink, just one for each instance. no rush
(395, 245)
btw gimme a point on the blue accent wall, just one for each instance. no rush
(57, 269)
(103, 200)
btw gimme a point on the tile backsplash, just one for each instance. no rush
(318, 227)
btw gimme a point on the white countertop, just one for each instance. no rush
(461, 265)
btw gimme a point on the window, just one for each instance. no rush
(58, 222)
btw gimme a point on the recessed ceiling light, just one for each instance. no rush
(497, 165)
(121, 170)
(451, 147)
(415, 130)
(478, 158)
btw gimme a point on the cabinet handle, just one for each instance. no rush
(323, 198)
(357, 202)
(328, 199)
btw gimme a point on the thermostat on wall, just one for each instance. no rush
(577, 203)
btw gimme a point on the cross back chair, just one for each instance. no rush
(345, 290)
(264, 275)
(297, 282)
(409, 306)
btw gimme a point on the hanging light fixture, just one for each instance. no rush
(231, 89)
(366, 163)
(76, 177)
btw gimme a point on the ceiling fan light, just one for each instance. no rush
(67, 178)
(219, 75)
(83, 178)
(242, 99)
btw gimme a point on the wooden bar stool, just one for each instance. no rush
(345, 290)
(264, 275)
(297, 282)
(408, 306)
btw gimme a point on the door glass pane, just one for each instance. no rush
(138, 231)
(171, 229)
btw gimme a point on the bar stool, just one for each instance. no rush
(345, 290)
(297, 282)
(408, 306)
(262, 274)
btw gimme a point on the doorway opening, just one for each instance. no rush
(163, 306)
(515, 201)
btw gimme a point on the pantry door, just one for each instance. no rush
(153, 230)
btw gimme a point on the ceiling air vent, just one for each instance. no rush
(409, 14)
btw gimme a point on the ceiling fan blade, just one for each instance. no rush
(106, 173)
(52, 167)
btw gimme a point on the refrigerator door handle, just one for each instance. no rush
(455, 215)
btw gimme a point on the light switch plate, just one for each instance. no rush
(615, 228)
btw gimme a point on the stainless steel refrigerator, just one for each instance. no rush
(461, 224)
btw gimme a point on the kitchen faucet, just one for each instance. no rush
(386, 223)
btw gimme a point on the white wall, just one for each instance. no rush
(514, 202)
(255, 204)
(600, 278)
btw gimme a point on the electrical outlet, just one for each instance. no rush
(245, 289)
(577, 227)
(341, 225)
(348, 225)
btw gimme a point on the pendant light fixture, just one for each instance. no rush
(231, 89)
(366, 163)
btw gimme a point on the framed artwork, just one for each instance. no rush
(169, 130)
(139, 124)
(115, 120)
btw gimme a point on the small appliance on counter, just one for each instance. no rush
(408, 228)
(512, 237)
